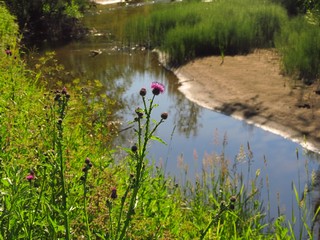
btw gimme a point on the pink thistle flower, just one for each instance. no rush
(157, 88)
(64, 90)
(30, 176)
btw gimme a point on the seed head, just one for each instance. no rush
(233, 199)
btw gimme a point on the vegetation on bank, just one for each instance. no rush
(60, 178)
(299, 45)
(188, 30)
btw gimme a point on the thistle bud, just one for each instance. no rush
(143, 92)
(134, 148)
(164, 115)
(113, 193)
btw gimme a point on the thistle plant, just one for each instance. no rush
(145, 130)
(60, 107)
(85, 169)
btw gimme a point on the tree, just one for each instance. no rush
(313, 11)
(48, 19)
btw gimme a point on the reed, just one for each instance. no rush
(189, 30)
(299, 45)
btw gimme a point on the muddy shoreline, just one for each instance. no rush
(251, 88)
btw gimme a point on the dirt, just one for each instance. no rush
(252, 88)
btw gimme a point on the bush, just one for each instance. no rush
(51, 20)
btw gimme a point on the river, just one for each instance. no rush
(193, 134)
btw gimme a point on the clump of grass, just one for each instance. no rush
(299, 44)
(189, 30)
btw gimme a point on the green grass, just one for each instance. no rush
(299, 44)
(60, 179)
(189, 30)
(8, 28)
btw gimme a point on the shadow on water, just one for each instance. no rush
(189, 129)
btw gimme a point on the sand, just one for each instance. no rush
(252, 88)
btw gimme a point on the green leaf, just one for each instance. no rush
(158, 139)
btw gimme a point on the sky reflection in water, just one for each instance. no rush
(281, 166)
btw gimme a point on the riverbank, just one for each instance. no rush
(252, 88)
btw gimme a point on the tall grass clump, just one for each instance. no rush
(8, 28)
(188, 30)
(299, 44)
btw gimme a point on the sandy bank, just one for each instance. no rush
(252, 88)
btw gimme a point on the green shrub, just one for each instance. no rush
(48, 19)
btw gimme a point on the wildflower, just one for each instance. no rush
(87, 161)
(87, 166)
(114, 193)
(157, 88)
(143, 92)
(8, 51)
(64, 90)
(164, 115)
(30, 176)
